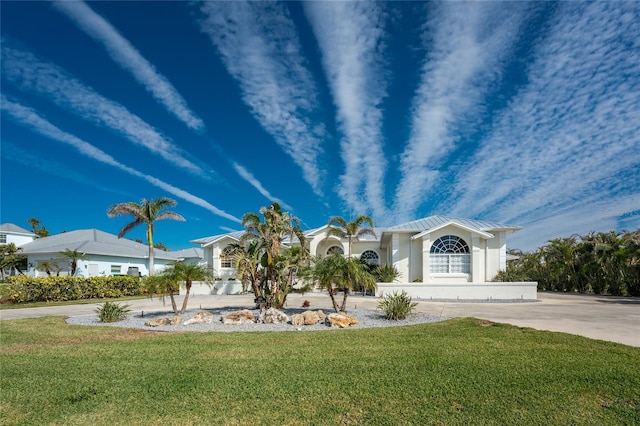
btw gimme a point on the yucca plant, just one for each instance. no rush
(112, 312)
(397, 306)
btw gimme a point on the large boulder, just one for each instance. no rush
(308, 318)
(200, 318)
(340, 320)
(244, 316)
(272, 316)
(174, 320)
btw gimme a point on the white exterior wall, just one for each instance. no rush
(94, 265)
(516, 291)
(400, 244)
(215, 251)
(18, 239)
(496, 255)
(416, 254)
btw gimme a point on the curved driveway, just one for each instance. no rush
(616, 319)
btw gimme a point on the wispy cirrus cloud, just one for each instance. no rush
(467, 44)
(128, 57)
(246, 175)
(259, 46)
(351, 38)
(31, 74)
(569, 138)
(32, 120)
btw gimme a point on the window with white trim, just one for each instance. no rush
(226, 257)
(450, 255)
(116, 269)
(371, 257)
(3, 238)
(335, 249)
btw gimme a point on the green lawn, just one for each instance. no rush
(462, 371)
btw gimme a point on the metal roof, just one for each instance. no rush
(189, 253)
(93, 241)
(432, 222)
(10, 227)
(207, 240)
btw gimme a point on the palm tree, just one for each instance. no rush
(186, 272)
(49, 266)
(247, 264)
(352, 231)
(335, 273)
(73, 256)
(9, 258)
(148, 212)
(270, 234)
(39, 230)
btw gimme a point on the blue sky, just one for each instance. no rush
(515, 112)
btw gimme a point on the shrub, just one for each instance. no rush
(397, 306)
(386, 273)
(112, 312)
(44, 289)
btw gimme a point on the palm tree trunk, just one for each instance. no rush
(150, 240)
(333, 300)
(345, 291)
(173, 303)
(187, 284)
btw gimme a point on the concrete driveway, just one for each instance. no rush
(615, 319)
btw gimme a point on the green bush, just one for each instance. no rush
(48, 289)
(397, 306)
(112, 312)
(386, 273)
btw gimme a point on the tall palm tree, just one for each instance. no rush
(73, 256)
(352, 231)
(147, 212)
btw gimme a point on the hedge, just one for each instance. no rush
(45, 289)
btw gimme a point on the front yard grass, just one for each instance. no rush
(461, 371)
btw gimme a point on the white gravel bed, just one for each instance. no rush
(366, 319)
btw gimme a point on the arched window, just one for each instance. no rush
(226, 258)
(335, 249)
(371, 257)
(450, 255)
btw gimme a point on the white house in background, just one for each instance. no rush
(438, 257)
(10, 233)
(106, 254)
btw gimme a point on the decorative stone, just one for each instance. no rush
(200, 318)
(340, 320)
(308, 318)
(244, 316)
(272, 316)
(174, 320)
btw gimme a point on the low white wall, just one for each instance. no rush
(217, 287)
(469, 291)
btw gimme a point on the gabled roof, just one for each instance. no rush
(437, 221)
(93, 241)
(366, 237)
(210, 240)
(190, 253)
(15, 229)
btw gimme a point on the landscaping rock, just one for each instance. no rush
(340, 320)
(174, 320)
(244, 316)
(200, 318)
(308, 318)
(273, 316)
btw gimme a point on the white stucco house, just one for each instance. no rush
(438, 257)
(10, 233)
(106, 254)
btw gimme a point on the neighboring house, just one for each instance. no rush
(105, 253)
(10, 233)
(438, 257)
